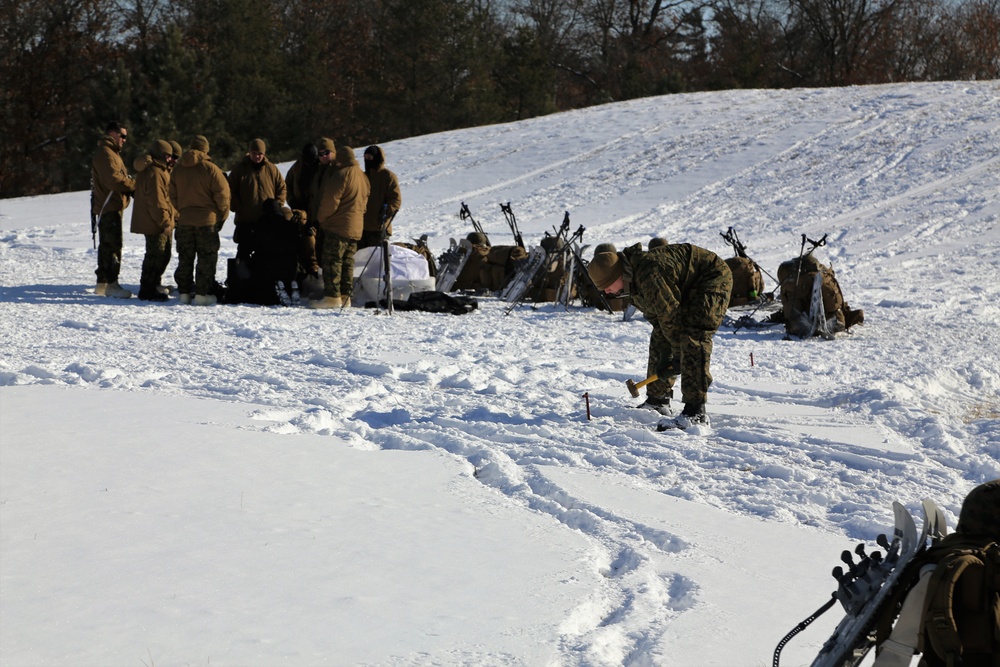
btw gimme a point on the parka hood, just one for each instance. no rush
(192, 157)
(345, 157)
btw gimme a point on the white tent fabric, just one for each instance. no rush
(408, 270)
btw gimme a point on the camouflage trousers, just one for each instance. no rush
(109, 247)
(689, 338)
(159, 248)
(338, 265)
(201, 243)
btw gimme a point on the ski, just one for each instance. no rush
(868, 583)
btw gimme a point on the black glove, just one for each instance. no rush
(668, 367)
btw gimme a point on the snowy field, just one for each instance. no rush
(242, 485)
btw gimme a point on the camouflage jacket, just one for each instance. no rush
(664, 280)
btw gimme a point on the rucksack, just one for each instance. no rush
(797, 278)
(748, 283)
(498, 267)
(470, 277)
(960, 624)
(960, 618)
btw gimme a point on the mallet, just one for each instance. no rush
(634, 387)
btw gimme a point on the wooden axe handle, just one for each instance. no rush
(634, 387)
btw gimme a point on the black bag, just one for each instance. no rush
(436, 302)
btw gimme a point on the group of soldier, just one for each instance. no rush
(183, 197)
(682, 290)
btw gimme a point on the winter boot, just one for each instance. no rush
(151, 294)
(693, 414)
(326, 302)
(185, 298)
(659, 403)
(312, 287)
(205, 300)
(100, 289)
(116, 291)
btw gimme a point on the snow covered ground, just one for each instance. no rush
(241, 485)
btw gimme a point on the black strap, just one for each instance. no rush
(799, 628)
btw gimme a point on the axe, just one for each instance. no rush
(634, 387)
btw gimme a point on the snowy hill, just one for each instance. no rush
(240, 485)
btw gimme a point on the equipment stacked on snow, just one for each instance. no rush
(554, 272)
(811, 300)
(474, 263)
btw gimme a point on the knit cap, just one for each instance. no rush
(326, 144)
(199, 143)
(160, 149)
(980, 513)
(257, 146)
(604, 269)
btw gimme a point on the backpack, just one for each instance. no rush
(797, 278)
(498, 267)
(960, 624)
(748, 283)
(469, 278)
(960, 618)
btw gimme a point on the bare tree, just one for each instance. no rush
(843, 37)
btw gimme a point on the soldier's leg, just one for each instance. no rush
(208, 257)
(155, 261)
(333, 256)
(347, 268)
(186, 253)
(109, 247)
(659, 349)
(696, 358)
(698, 321)
(308, 264)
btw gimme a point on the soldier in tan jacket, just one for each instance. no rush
(342, 195)
(153, 216)
(200, 193)
(385, 198)
(253, 181)
(111, 189)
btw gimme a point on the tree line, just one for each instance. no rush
(371, 71)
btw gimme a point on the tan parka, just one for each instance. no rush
(199, 191)
(343, 195)
(384, 193)
(112, 185)
(153, 213)
(250, 185)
